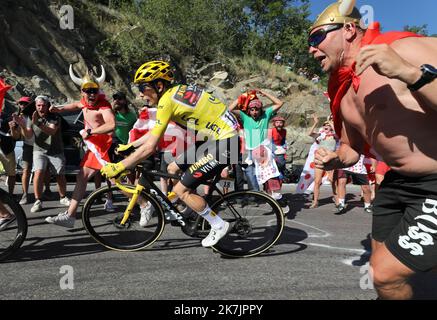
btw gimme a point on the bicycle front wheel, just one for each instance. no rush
(256, 223)
(13, 233)
(103, 223)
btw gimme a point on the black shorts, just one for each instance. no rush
(357, 179)
(205, 160)
(405, 219)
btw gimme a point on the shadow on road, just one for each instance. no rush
(58, 247)
(364, 258)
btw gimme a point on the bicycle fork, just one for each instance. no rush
(135, 195)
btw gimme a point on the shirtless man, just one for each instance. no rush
(99, 124)
(381, 102)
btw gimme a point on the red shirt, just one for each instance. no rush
(278, 137)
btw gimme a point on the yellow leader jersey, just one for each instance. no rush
(195, 109)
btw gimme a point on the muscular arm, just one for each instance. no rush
(417, 55)
(401, 61)
(109, 123)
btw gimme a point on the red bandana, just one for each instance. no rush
(341, 80)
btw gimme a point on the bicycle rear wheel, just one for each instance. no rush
(256, 229)
(105, 227)
(13, 234)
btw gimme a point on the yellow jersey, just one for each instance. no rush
(195, 109)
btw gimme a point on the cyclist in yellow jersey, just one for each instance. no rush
(194, 109)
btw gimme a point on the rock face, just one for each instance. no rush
(35, 54)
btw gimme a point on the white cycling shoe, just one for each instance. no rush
(215, 235)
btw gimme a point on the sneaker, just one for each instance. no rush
(276, 196)
(109, 206)
(341, 208)
(64, 201)
(368, 210)
(24, 199)
(215, 235)
(37, 206)
(4, 222)
(146, 215)
(62, 219)
(284, 206)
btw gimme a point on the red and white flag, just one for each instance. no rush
(174, 136)
(3, 89)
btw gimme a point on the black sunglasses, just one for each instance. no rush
(91, 91)
(315, 39)
(143, 86)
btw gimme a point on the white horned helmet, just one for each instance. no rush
(88, 81)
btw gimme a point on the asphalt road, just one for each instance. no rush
(320, 256)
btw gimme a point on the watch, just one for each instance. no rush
(429, 73)
(88, 132)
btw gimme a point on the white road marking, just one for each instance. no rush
(322, 234)
(359, 251)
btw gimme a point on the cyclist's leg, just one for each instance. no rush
(204, 169)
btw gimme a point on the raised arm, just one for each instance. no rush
(25, 131)
(66, 107)
(48, 127)
(277, 104)
(311, 132)
(233, 107)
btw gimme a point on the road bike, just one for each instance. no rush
(13, 233)
(256, 219)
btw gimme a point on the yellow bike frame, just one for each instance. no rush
(135, 192)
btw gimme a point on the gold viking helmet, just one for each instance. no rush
(88, 81)
(341, 12)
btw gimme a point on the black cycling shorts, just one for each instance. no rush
(405, 219)
(203, 161)
(357, 179)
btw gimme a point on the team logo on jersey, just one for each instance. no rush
(188, 95)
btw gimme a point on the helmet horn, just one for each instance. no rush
(346, 7)
(75, 79)
(102, 78)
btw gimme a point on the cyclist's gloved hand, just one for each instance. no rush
(125, 149)
(112, 170)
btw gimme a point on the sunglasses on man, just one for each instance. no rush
(143, 86)
(91, 91)
(316, 38)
